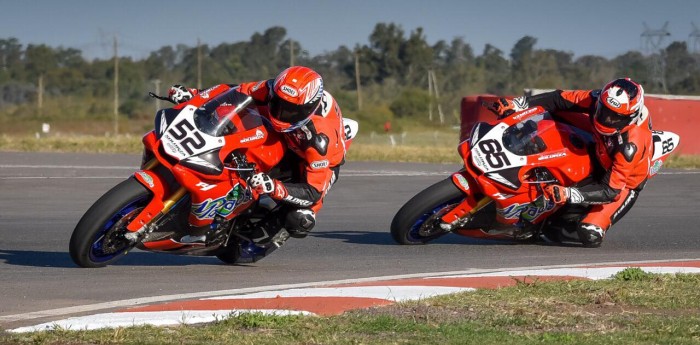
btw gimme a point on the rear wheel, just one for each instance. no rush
(417, 222)
(98, 239)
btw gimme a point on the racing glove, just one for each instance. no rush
(179, 94)
(505, 107)
(560, 194)
(264, 184)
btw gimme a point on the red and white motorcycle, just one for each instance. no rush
(506, 164)
(204, 150)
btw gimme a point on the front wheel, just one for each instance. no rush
(98, 239)
(417, 222)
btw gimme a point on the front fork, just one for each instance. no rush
(468, 207)
(159, 205)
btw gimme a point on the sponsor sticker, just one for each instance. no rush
(289, 90)
(528, 211)
(461, 181)
(147, 178)
(319, 164)
(550, 156)
(656, 167)
(613, 102)
(258, 135)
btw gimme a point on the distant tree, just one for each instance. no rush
(385, 45)
(681, 69)
(521, 56)
(496, 71)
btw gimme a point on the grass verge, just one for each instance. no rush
(632, 308)
(363, 149)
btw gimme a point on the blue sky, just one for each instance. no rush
(606, 28)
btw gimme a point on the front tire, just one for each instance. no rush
(98, 239)
(417, 221)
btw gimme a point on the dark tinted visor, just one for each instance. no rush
(611, 119)
(289, 112)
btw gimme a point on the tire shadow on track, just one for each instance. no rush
(381, 238)
(135, 258)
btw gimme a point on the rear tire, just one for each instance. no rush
(98, 239)
(417, 221)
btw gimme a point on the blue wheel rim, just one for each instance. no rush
(97, 253)
(414, 235)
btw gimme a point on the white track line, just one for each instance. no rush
(208, 294)
(388, 292)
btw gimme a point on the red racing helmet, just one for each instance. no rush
(620, 103)
(296, 95)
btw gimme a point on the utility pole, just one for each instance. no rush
(430, 96)
(437, 97)
(434, 93)
(199, 64)
(156, 84)
(357, 80)
(40, 95)
(291, 53)
(116, 87)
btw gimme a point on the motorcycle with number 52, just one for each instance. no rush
(205, 149)
(506, 165)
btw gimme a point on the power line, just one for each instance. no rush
(653, 40)
(694, 38)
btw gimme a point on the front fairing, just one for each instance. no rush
(505, 159)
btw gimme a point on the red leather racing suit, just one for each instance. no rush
(319, 146)
(625, 157)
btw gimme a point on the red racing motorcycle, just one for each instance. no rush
(196, 166)
(499, 190)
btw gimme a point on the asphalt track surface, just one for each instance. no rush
(43, 195)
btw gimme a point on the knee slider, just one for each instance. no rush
(591, 235)
(299, 222)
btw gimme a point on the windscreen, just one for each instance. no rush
(216, 117)
(524, 138)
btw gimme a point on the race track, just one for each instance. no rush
(43, 195)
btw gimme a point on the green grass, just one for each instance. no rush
(424, 147)
(632, 308)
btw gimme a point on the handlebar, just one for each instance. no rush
(153, 95)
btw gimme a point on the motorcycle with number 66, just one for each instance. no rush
(207, 148)
(506, 165)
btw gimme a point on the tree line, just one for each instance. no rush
(391, 70)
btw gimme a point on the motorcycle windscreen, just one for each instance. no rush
(525, 138)
(226, 114)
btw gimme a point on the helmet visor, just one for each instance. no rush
(610, 119)
(294, 115)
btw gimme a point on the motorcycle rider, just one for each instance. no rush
(295, 105)
(621, 127)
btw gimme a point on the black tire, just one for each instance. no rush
(98, 239)
(420, 212)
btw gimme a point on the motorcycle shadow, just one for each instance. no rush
(384, 238)
(134, 258)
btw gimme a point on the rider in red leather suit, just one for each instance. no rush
(621, 127)
(309, 119)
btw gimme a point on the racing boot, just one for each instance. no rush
(299, 222)
(268, 232)
(590, 235)
(195, 235)
(525, 231)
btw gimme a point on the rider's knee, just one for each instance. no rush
(299, 222)
(590, 235)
